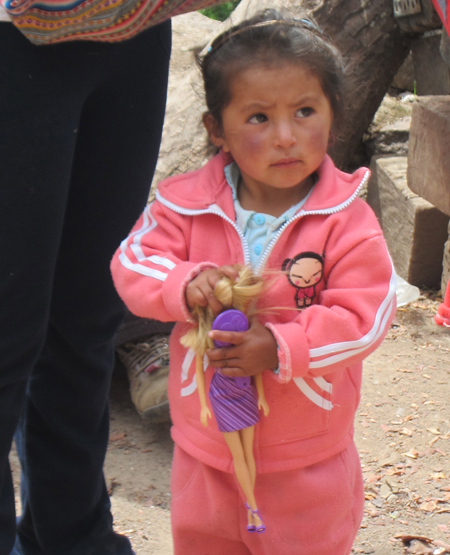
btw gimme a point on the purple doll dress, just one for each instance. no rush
(234, 400)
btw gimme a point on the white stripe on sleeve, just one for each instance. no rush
(148, 223)
(340, 351)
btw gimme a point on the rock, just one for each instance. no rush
(392, 139)
(374, 48)
(429, 147)
(189, 31)
(404, 78)
(391, 109)
(184, 138)
(415, 230)
(445, 47)
(389, 132)
(446, 264)
(431, 72)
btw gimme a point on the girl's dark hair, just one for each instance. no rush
(265, 39)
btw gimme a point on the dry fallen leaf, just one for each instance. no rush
(408, 538)
(385, 491)
(117, 436)
(428, 506)
(418, 548)
(445, 546)
(111, 485)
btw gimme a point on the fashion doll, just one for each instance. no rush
(235, 401)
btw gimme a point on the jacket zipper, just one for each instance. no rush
(304, 213)
(270, 246)
(187, 212)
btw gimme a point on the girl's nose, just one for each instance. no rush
(285, 136)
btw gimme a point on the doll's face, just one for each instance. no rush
(305, 272)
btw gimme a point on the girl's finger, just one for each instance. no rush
(220, 354)
(229, 271)
(234, 337)
(225, 363)
(233, 372)
(214, 304)
(213, 279)
(196, 297)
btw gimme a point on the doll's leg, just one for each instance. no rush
(244, 475)
(247, 435)
(233, 440)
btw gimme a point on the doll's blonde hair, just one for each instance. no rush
(241, 295)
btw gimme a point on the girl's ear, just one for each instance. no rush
(213, 129)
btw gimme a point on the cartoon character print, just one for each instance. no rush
(304, 272)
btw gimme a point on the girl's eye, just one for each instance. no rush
(258, 118)
(304, 112)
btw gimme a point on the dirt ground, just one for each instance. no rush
(402, 432)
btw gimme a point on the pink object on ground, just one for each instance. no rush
(442, 317)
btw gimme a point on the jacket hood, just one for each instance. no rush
(207, 186)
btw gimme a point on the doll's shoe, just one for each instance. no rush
(259, 527)
(250, 527)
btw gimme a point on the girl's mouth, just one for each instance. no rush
(286, 163)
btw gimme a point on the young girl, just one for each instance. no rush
(272, 199)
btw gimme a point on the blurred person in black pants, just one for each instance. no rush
(80, 128)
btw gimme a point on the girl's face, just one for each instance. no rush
(276, 127)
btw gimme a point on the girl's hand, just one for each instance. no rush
(205, 413)
(200, 290)
(252, 352)
(262, 404)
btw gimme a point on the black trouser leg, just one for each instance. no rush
(114, 105)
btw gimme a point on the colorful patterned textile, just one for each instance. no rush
(49, 21)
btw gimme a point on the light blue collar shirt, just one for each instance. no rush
(258, 229)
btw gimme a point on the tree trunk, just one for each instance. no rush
(374, 48)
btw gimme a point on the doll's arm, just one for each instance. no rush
(262, 403)
(205, 413)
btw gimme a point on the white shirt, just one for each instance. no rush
(259, 229)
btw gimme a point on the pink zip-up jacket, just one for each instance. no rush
(335, 275)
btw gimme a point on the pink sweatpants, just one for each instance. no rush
(315, 510)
